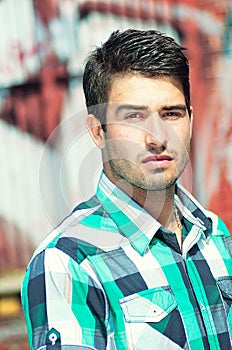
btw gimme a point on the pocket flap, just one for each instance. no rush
(148, 306)
(225, 286)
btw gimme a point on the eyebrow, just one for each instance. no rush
(130, 107)
(171, 107)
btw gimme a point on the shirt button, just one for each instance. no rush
(53, 338)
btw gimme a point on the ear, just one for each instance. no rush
(95, 129)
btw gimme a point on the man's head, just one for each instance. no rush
(137, 94)
(148, 53)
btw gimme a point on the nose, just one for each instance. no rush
(156, 132)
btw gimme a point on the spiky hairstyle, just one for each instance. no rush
(147, 52)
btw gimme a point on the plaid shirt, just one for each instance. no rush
(110, 277)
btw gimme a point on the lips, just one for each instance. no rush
(157, 158)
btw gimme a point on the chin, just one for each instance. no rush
(154, 186)
(159, 184)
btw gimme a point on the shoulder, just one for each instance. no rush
(87, 231)
(69, 227)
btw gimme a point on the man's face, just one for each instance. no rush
(148, 132)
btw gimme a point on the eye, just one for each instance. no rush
(134, 116)
(172, 115)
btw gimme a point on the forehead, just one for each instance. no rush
(132, 88)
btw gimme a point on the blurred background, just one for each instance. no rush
(48, 162)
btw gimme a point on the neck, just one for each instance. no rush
(159, 204)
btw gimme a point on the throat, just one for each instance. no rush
(161, 205)
(176, 225)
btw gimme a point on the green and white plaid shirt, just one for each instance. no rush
(110, 277)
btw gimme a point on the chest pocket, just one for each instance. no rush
(149, 316)
(148, 306)
(225, 287)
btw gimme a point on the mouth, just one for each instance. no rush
(157, 161)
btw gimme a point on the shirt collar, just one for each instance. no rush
(137, 225)
(132, 220)
(192, 210)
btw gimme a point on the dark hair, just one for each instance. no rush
(147, 52)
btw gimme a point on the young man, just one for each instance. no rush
(141, 265)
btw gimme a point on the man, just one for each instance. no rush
(141, 265)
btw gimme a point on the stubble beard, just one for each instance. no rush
(156, 180)
(131, 172)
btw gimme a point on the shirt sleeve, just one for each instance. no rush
(63, 305)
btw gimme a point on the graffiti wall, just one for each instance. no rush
(44, 147)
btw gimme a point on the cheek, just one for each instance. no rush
(187, 135)
(183, 136)
(123, 132)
